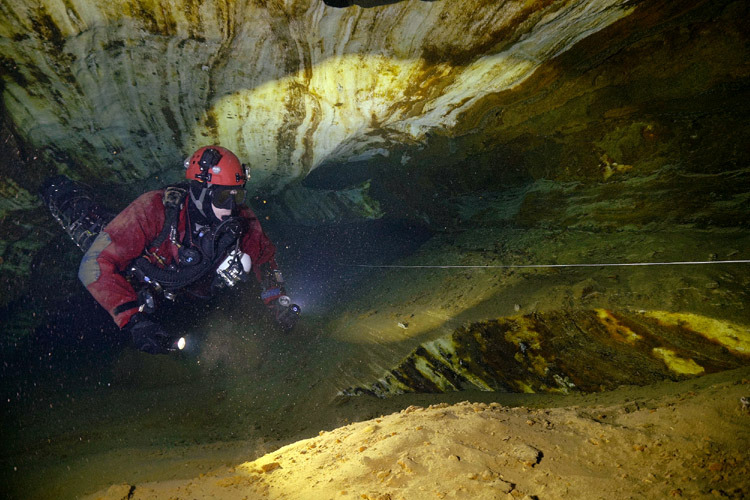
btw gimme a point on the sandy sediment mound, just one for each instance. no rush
(667, 444)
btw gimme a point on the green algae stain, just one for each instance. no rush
(153, 15)
(9, 68)
(43, 24)
(211, 124)
(114, 45)
(362, 203)
(169, 117)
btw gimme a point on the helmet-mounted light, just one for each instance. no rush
(216, 165)
(208, 163)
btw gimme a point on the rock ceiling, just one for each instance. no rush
(385, 105)
(124, 90)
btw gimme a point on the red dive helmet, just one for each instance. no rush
(216, 165)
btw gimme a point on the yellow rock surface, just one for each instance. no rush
(677, 364)
(734, 337)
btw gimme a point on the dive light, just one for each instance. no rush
(178, 344)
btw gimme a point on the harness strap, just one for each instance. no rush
(125, 307)
(173, 198)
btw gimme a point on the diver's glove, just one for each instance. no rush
(286, 313)
(272, 283)
(148, 336)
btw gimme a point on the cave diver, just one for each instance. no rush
(196, 237)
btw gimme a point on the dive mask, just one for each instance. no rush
(227, 197)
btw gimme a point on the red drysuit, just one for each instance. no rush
(125, 238)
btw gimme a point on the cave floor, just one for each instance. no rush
(673, 439)
(668, 440)
(132, 418)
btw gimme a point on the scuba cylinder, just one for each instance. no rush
(73, 206)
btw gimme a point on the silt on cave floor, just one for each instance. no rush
(661, 441)
(153, 423)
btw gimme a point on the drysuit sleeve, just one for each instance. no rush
(119, 243)
(257, 245)
(262, 251)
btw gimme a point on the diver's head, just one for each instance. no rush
(217, 178)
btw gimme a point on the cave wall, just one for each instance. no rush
(119, 91)
(639, 123)
(607, 113)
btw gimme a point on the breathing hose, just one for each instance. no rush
(172, 279)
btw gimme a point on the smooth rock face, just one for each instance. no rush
(133, 87)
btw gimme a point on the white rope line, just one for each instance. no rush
(527, 266)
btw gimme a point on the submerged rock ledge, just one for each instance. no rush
(568, 351)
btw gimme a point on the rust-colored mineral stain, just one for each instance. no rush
(617, 330)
